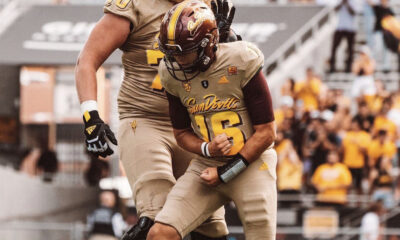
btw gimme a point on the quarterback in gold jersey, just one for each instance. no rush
(148, 150)
(221, 110)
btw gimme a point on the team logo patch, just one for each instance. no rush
(223, 80)
(232, 70)
(187, 86)
(201, 15)
(263, 167)
(204, 83)
(134, 125)
(90, 129)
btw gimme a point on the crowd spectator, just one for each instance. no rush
(47, 164)
(369, 21)
(394, 112)
(288, 88)
(106, 223)
(290, 168)
(342, 116)
(308, 90)
(375, 102)
(332, 179)
(131, 216)
(381, 9)
(365, 117)
(362, 140)
(355, 144)
(370, 225)
(97, 170)
(382, 122)
(346, 28)
(29, 161)
(363, 68)
(285, 111)
(40, 162)
(381, 153)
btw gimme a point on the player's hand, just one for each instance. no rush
(220, 145)
(98, 135)
(210, 176)
(224, 21)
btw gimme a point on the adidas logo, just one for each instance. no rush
(223, 80)
(90, 129)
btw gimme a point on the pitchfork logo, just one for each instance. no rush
(60, 36)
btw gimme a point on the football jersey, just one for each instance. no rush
(214, 98)
(141, 93)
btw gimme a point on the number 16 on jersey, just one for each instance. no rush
(223, 122)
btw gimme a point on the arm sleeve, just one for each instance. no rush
(179, 116)
(258, 100)
(123, 9)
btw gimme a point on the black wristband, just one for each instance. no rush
(232, 168)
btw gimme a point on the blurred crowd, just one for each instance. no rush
(111, 218)
(378, 30)
(333, 145)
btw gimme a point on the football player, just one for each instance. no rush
(147, 147)
(221, 110)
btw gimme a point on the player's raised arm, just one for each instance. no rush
(108, 34)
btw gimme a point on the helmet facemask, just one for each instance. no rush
(188, 71)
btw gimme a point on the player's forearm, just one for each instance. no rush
(86, 83)
(187, 140)
(262, 138)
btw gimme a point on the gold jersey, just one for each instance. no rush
(214, 98)
(141, 93)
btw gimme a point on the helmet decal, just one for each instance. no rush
(200, 17)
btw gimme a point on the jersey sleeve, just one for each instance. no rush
(122, 8)
(253, 60)
(180, 118)
(258, 100)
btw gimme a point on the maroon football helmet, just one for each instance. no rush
(188, 27)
